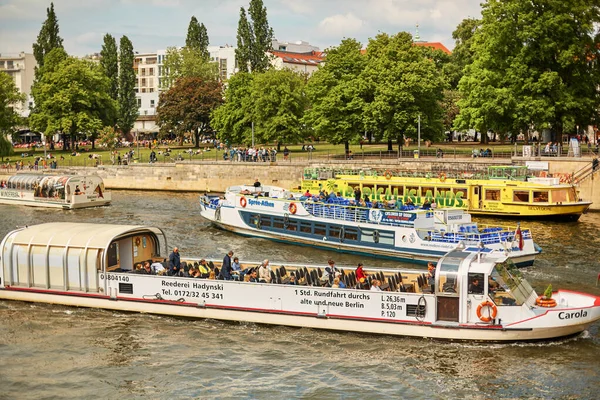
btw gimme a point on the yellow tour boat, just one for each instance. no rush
(502, 191)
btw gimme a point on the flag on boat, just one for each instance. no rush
(519, 236)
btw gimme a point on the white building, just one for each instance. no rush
(146, 67)
(21, 67)
(298, 56)
(224, 56)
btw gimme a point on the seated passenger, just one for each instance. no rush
(158, 268)
(426, 204)
(236, 269)
(253, 276)
(212, 275)
(264, 272)
(475, 286)
(330, 271)
(307, 194)
(336, 283)
(203, 269)
(361, 275)
(292, 280)
(146, 270)
(375, 285)
(193, 272)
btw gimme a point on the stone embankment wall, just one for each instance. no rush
(217, 176)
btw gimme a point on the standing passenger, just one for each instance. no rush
(225, 272)
(174, 262)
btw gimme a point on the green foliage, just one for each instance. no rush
(187, 63)
(128, 108)
(110, 64)
(9, 97)
(462, 54)
(6, 148)
(72, 96)
(197, 38)
(450, 108)
(254, 39)
(334, 92)
(108, 137)
(187, 106)
(233, 120)
(548, 292)
(244, 42)
(531, 67)
(48, 38)
(400, 82)
(279, 103)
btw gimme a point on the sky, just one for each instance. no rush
(157, 24)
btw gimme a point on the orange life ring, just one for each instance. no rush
(549, 303)
(492, 314)
(293, 208)
(388, 174)
(443, 177)
(243, 201)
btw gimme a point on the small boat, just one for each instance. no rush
(501, 191)
(475, 295)
(404, 233)
(54, 191)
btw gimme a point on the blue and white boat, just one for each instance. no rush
(406, 233)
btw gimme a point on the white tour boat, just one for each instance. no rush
(54, 191)
(476, 295)
(406, 233)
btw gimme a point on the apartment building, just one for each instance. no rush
(21, 67)
(299, 56)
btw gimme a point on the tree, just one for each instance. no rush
(48, 38)
(188, 63)
(402, 83)
(531, 68)
(334, 93)
(187, 106)
(233, 120)
(73, 97)
(9, 99)
(279, 103)
(6, 147)
(197, 38)
(254, 39)
(244, 42)
(128, 107)
(108, 137)
(109, 61)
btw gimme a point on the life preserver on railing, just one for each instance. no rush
(293, 208)
(388, 174)
(492, 313)
(243, 201)
(442, 177)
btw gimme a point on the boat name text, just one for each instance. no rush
(571, 315)
(263, 203)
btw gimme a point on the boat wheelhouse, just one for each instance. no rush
(503, 191)
(405, 233)
(477, 295)
(55, 191)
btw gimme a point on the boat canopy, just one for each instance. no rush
(74, 234)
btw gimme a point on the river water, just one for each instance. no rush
(61, 352)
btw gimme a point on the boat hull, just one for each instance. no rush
(484, 333)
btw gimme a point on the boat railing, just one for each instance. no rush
(356, 214)
(486, 235)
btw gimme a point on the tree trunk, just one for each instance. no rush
(278, 146)
(390, 145)
(197, 139)
(346, 147)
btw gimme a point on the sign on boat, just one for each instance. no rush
(474, 294)
(403, 232)
(54, 191)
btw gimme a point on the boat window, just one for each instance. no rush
(427, 191)
(572, 194)
(265, 221)
(507, 286)
(351, 234)
(559, 196)
(292, 226)
(492, 194)
(521, 196)
(540, 197)
(448, 272)
(305, 227)
(368, 190)
(397, 191)
(475, 283)
(277, 222)
(442, 190)
(334, 232)
(461, 190)
(320, 230)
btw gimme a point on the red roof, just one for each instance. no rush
(312, 58)
(434, 45)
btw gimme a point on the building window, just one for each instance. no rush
(151, 103)
(9, 64)
(160, 71)
(151, 90)
(143, 71)
(139, 101)
(283, 48)
(143, 90)
(143, 81)
(151, 71)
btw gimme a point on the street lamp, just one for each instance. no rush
(419, 135)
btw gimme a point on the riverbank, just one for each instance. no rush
(216, 176)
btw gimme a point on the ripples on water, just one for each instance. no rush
(55, 351)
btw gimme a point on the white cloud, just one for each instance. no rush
(299, 7)
(341, 25)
